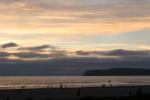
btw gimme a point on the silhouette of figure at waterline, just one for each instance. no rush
(78, 92)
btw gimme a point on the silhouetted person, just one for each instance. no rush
(103, 85)
(61, 86)
(48, 86)
(78, 92)
(110, 83)
(23, 87)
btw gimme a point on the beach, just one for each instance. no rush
(73, 87)
(73, 93)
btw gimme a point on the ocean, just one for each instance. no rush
(71, 81)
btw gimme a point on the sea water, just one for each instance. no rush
(71, 81)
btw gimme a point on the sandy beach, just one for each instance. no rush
(71, 93)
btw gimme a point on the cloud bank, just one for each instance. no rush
(43, 60)
(9, 45)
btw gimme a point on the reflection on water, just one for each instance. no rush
(71, 81)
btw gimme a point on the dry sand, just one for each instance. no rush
(68, 93)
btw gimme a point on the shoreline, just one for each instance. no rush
(64, 86)
(71, 93)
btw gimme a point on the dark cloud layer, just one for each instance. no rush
(36, 48)
(4, 54)
(65, 66)
(61, 62)
(9, 45)
(37, 52)
(117, 52)
(31, 55)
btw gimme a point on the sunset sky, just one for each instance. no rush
(44, 30)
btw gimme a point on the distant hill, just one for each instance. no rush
(118, 72)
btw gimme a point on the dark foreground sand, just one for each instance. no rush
(71, 93)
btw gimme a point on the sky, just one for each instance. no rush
(69, 37)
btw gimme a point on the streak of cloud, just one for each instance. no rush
(9, 45)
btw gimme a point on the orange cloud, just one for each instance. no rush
(51, 21)
(74, 28)
(23, 17)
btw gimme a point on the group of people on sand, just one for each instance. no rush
(64, 86)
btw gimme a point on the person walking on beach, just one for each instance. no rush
(61, 86)
(110, 83)
(22, 87)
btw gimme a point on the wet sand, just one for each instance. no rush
(70, 93)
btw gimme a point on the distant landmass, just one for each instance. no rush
(118, 72)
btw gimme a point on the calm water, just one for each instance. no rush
(71, 81)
